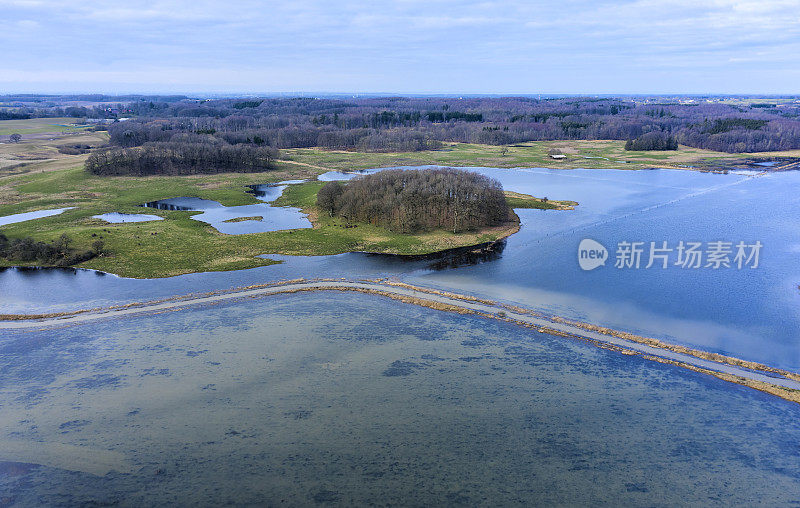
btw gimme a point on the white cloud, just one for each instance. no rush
(387, 42)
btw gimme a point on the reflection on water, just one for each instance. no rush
(183, 204)
(451, 258)
(50, 272)
(267, 218)
(355, 399)
(341, 175)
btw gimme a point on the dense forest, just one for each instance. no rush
(411, 201)
(410, 124)
(57, 253)
(181, 158)
(652, 141)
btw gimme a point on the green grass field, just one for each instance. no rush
(179, 244)
(580, 154)
(592, 154)
(39, 126)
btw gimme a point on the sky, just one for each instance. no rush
(401, 46)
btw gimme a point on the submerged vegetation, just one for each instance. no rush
(418, 200)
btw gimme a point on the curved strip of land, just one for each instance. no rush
(777, 382)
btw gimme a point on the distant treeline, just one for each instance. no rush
(418, 200)
(57, 253)
(239, 131)
(422, 123)
(24, 106)
(410, 124)
(181, 158)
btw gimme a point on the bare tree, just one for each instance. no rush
(327, 196)
(15, 137)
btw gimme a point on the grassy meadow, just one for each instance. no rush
(579, 154)
(53, 126)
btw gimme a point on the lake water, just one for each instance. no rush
(748, 313)
(38, 214)
(268, 218)
(351, 399)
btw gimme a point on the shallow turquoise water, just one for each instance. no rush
(343, 398)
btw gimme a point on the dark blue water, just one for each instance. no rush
(753, 313)
(749, 313)
(357, 400)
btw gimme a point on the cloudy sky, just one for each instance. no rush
(401, 46)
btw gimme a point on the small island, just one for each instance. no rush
(245, 219)
(411, 212)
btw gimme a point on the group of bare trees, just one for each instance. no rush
(176, 158)
(409, 124)
(652, 141)
(394, 124)
(410, 201)
(56, 253)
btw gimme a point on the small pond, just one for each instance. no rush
(117, 218)
(261, 217)
(38, 214)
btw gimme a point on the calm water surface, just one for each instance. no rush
(118, 218)
(333, 398)
(38, 214)
(749, 313)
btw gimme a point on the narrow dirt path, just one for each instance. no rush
(304, 164)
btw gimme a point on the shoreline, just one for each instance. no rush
(434, 244)
(487, 248)
(778, 382)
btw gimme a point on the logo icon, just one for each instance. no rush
(591, 254)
